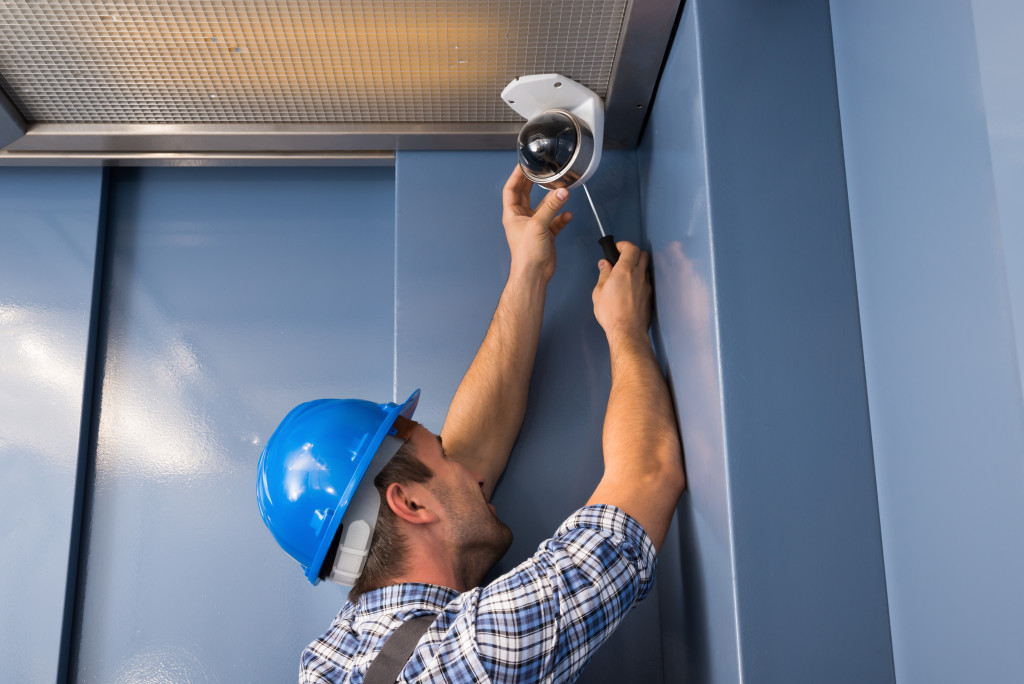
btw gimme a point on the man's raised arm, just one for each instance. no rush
(643, 464)
(487, 411)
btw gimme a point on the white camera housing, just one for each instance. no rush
(554, 100)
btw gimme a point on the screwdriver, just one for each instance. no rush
(607, 242)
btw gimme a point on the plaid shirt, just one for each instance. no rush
(540, 622)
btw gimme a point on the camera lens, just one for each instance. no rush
(547, 143)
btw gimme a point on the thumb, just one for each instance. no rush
(551, 205)
(606, 270)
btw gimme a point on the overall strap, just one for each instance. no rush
(397, 650)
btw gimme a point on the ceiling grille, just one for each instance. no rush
(250, 61)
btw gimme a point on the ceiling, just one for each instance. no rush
(340, 82)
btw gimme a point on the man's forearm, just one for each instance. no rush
(487, 412)
(639, 434)
(642, 456)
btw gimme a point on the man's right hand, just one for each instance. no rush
(622, 296)
(643, 473)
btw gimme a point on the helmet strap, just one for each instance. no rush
(361, 518)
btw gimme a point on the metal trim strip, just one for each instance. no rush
(643, 48)
(262, 138)
(205, 159)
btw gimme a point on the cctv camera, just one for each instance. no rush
(560, 144)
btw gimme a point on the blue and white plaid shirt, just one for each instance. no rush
(540, 622)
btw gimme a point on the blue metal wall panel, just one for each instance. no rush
(1000, 54)
(811, 596)
(452, 263)
(48, 228)
(676, 219)
(941, 360)
(231, 295)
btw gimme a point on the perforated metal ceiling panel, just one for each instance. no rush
(197, 61)
(67, 65)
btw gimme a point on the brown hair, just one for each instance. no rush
(386, 557)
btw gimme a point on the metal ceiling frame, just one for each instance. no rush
(641, 51)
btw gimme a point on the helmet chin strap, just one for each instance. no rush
(361, 518)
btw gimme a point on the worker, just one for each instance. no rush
(359, 493)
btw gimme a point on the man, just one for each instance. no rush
(435, 534)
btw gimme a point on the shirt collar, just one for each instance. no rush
(402, 599)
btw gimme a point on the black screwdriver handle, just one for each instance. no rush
(611, 253)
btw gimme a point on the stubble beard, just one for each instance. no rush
(478, 538)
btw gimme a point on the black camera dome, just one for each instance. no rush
(547, 143)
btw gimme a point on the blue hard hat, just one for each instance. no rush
(311, 467)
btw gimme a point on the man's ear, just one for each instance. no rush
(407, 502)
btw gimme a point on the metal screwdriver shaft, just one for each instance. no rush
(607, 242)
(591, 200)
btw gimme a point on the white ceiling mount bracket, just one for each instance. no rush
(529, 96)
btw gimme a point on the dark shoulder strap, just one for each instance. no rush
(397, 650)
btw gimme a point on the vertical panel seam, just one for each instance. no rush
(394, 293)
(863, 361)
(87, 425)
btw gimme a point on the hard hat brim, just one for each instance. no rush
(405, 409)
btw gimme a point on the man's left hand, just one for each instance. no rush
(531, 232)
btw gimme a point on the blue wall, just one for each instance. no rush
(1000, 51)
(48, 229)
(940, 353)
(228, 296)
(677, 222)
(745, 206)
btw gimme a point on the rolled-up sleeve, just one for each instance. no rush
(543, 620)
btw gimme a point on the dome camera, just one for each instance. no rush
(560, 144)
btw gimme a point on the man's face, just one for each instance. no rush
(476, 535)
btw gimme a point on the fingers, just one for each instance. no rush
(551, 205)
(630, 253)
(560, 222)
(630, 256)
(515, 198)
(515, 195)
(622, 296)
(633, 255)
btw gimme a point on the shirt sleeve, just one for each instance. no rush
(544, 619)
